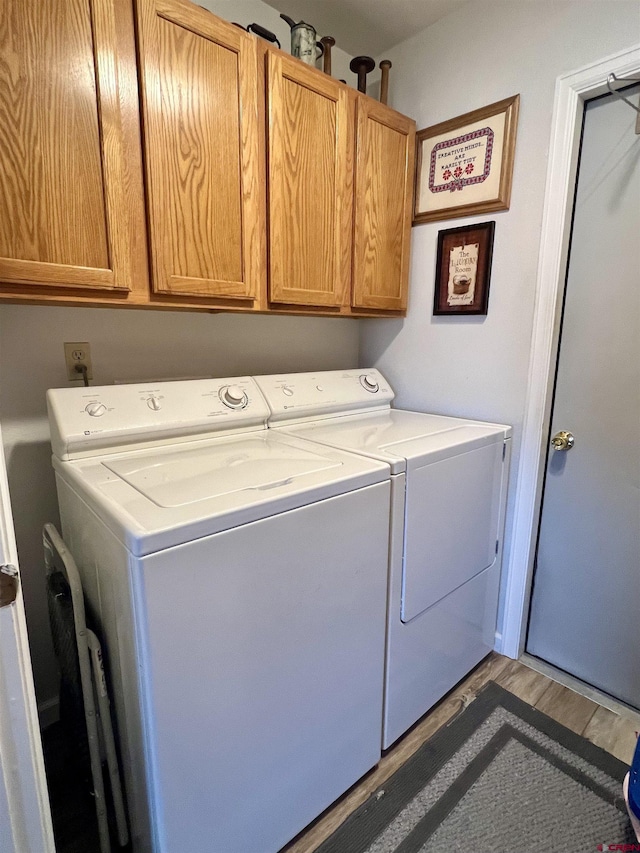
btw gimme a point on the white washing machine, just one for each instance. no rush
(448, 494)
(239, 579)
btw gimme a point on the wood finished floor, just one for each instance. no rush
(608, 730)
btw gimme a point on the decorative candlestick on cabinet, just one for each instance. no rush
(327, 42)
(362, 65)
(385, 65)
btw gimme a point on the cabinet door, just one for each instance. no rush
(310, 185)
(200, 119)
(383, 201)
(63, 214)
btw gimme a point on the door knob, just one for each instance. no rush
(563, 440)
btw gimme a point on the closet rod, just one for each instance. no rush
(613, 79)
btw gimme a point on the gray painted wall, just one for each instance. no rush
(134, 345)
(486, 51)
(473, 367)
(128, 345)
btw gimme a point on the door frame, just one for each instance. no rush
(571, 91)
(25, 816)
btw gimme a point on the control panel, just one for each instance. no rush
(88, 421)
(234, 397)
(309, 396)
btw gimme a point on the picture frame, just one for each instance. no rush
(463, 269)
(464, 166)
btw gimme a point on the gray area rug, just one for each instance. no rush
(501, 777)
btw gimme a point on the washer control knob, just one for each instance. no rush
(95, 409)
(369, 382)
(233, 396)
(286, 390)
(154, 403)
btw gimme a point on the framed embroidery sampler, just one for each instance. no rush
(464, 166)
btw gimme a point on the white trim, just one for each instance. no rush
(25, 814)
(571, 92)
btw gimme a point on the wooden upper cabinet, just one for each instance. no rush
(383, 206)
(310, 184)
(200, 129)
(63, 214)
(238, 142)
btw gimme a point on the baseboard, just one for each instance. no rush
(49, 712)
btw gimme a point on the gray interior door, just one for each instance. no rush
(586, 594)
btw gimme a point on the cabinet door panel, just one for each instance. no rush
(200, 118)
(63, 218)
(384, 190)
(310, 185)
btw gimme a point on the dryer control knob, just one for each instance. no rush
(154, 403)
(233, 396)
(369, 382)
(95, 409)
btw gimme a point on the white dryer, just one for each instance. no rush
(448, 493)
(239, 579)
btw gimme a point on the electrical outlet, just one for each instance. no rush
(77, 354)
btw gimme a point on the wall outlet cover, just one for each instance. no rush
(77, 354)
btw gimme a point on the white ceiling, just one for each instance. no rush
(366, 27)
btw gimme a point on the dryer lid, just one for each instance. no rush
(403, 439)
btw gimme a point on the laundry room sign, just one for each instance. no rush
(463, 269)
(463, 266)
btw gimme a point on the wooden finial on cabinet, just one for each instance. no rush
(362, 65)
(385, 65)
(328, 42)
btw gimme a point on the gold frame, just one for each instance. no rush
(510, 108)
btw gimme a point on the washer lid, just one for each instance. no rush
(403, 439)
(180, 477)
(157, 498)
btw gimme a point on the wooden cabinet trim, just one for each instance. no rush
(386, 115)
(254, 207)
(111, 140)
(312, 79)
(201, 22)
(195, 286)
(14, 271)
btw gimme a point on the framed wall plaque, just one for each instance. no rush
(464, 166)
(463, 269)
